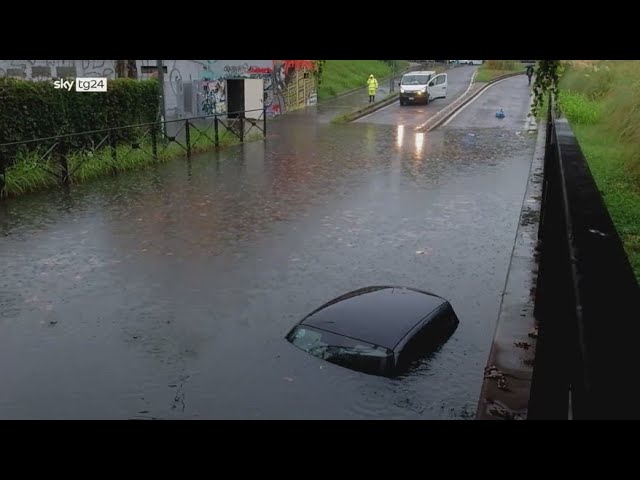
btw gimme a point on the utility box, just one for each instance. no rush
(245, 95)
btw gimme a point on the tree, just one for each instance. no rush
(126, 69)
(132, 69)
(120, 68)
(547, 75)
(318, 67)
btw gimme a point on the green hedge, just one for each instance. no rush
(34, 109)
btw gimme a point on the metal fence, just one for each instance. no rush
(63, 155)
(587, 297)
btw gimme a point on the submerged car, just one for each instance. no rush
(381, 330)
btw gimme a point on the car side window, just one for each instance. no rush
(440, 80)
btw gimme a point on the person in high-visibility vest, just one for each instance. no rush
(372, 83)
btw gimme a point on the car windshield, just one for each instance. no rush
(415, 79)
(344, 351)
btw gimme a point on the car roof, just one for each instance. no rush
(381, 315)
(421, 72)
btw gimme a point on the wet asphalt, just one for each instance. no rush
(458, 81)
(166, 293)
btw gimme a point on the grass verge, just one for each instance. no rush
(492, 69)
(339, 76)
(30, 174)
(601, 100)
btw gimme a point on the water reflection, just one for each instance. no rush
(419, 142)
(400, 136)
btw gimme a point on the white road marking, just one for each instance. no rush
(393, 103)
(473, 100)
(422, 125)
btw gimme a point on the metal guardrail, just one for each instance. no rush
(587, 297)
(151, 138)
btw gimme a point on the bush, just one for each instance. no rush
(594, 80)
(30, 110)
(612, 89)
(579, 109)
(503, 65)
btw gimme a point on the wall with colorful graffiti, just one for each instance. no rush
(296, 82)
(288, 84)
(192, 87)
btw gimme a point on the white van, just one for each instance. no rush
(422, 87)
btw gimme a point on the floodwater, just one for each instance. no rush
(167, 293)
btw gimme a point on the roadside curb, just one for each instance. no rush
(444, 114)
(508, 374)
(361, 112)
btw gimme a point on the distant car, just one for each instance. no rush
(380, 330)
(422, 87)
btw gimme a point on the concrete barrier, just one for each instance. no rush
(361, 112)
(444, 114)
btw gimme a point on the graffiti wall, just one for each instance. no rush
(44, 69)
(295, 82)
(221, 70)
(191, 87)
(212, 86)
(288, 84)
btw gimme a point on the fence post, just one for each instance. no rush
(241, 118)
(64, 164)
(215, 128)
(114, 154)
(188, 138)
(154, 140)
(264, 122)
(2, 179)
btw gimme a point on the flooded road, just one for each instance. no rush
(458, 81)
(166, 293)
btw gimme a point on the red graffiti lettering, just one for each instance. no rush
(297, 65)
(259, 70)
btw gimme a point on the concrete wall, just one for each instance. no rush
(46, 69)
(286, 87)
